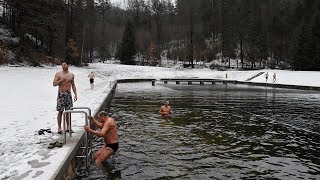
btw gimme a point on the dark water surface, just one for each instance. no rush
(216, 132)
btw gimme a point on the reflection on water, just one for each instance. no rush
(216, 132)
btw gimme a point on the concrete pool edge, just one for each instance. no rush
(288, 86)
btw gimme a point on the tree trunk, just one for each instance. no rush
(241, 49)
(191, 41)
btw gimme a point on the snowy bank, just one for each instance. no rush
(28, 102)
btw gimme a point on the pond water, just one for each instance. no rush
(216, 132)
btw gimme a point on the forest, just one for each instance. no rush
(282, 34)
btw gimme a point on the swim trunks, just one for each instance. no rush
(64, 100)
(114, 146)
(91, 81)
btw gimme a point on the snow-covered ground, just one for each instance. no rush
(28, 100)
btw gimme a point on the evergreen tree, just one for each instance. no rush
(127, 48)
(303, 56)
(256, 39)
(229, 40)
(316, 39)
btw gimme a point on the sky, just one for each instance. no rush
(28, 104)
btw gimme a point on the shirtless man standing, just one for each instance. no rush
(165, 110)
(108, 132)
(65, 80)
(91, 79)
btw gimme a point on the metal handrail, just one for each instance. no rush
(72, 108)
(64, 130)
(64, 122)
(88, 141)
(88, 136)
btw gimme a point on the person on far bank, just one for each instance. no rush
(65, 80)
(110, 134)
(266, 76)
(274, 77)
(165, 110)
(91, 79)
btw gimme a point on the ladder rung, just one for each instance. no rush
(81, 156)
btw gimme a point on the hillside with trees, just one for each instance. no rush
(254, 34)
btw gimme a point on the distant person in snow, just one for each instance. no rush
(91, 79)
(274, 77)
(267, 76)
(65, 80)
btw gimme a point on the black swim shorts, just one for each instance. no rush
(91, 81)
(113, 146)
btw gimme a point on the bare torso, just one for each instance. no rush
(67, 83)
(165, 110)
(91, 76)
(111, 135)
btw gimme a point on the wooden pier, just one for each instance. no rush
(191, 81)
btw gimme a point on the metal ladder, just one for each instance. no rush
(88, 139)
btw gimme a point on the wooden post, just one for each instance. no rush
(201, 83)
(153, 83)
(189, 82)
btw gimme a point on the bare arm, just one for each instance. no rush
(97, 123)
(74, 89)
(57, 81)
(102, 133)
(160, 111)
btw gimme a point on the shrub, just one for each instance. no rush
(4, 54)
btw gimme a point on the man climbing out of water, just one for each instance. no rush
(165, 109)
(65, 80)
(110, 134)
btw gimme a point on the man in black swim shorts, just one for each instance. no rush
(110, 134)
(91, 79)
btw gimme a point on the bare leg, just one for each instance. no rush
(59, 118)
(68, 120)
(105, 154)
(97, 154)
